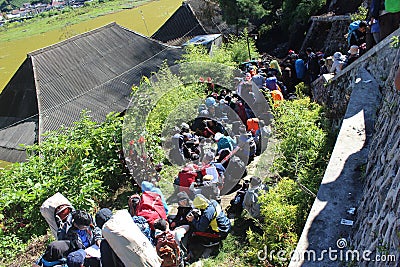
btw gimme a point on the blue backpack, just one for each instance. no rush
(58, 263)
(352, 27)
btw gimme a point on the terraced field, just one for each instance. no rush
(16, 43)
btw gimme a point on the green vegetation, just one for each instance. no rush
(22, 38)
(361, 14)
(83, 164)
(80, 162)
(283, 13)
(55, 19)
(304, 147)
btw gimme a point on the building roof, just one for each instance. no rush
(180, 27)
(93, 71)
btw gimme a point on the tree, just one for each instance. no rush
(241, 12)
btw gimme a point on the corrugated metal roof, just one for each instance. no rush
(180, 27)
(12, 137)
(94, 71)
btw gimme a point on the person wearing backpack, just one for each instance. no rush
(209, 226)
(212, 220)
(312, 65)
(357, 35)
(250, 201)
(168, 243)
(82, 233)
(55, 255)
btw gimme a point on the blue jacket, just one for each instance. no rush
(203, 223)
(148, 186)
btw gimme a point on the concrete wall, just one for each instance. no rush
(377, 222)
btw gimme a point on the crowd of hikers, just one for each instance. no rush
(213, 150)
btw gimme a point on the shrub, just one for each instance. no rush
(80, 162)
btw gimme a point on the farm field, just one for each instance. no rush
(15, 43)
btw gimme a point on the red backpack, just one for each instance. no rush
(150, 207)
(168, 249)
(186, 178)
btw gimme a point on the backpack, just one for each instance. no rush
(186, 178)
(235, 208)
(224, 142)
(352, 27)
(58, 263)
(150, 207)
(312, 64)
(235, 170)
(141, 222)
(168, 249)
(250, 201)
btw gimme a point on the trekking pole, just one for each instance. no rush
(233, 152)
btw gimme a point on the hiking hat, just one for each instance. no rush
(102, 216)
(255, 181)
(210, 101)
(208, 156)
(218, 136)
(76, 258)
(353, 50)
(56, 250)
(200, 202)
(183, 196)
(208, 177)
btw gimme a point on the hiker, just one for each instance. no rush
(358, 37)
(250, 201)
(82, 234)
(224, 142)
(275, 69)
(323, 69)
(388, 14)
(77, 259)
(338, 62)
(190, 147)
(352, 56)
(312, 65)
(168, 243)
(184, 207)
(55, 255)
(300, 68)
(148, 186)
(208, 228)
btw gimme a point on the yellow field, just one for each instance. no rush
(13, 53)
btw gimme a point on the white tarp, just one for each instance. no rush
(128, 242)
(48, 207)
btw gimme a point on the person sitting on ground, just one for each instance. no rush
(212, 222)
(82, 234)
(185, 206)
(161, 225)
(224, 142)
(56, 253)
(148, 186)
(250, 202)
(338, 62)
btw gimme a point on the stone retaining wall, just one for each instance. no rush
(377, 226)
